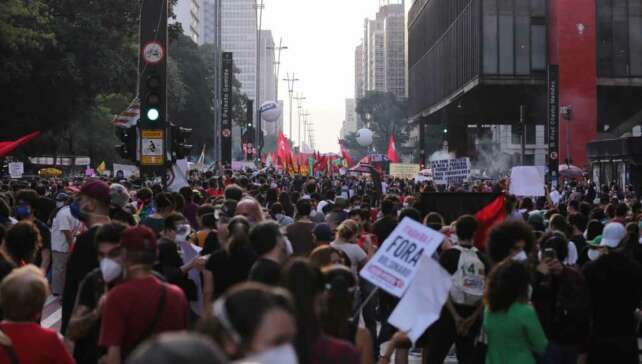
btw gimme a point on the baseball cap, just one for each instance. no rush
(118, 195)
(62, 197)
(97, 190)
(139, 238)
(611, 237)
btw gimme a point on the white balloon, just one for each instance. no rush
(270, 111)
(364, 137)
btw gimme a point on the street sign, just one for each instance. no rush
(153, 52)
(152, 147)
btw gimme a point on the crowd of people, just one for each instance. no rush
(264, 268)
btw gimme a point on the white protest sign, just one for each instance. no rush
(179, 176)
(421, 306)
(16, 169)
(450, 171)
(526, 181)
(404, 170)
(126, 169)
(394, 265)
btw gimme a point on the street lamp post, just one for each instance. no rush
(299, 98)
(291, 80)
(259, 128)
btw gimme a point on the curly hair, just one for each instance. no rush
(507, 284)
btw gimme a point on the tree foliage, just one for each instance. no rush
(384, 114)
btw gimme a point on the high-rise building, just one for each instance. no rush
(350, 123)
(380, 60)
(238, 22)
(209, 21)
(268, 74)
(190, 14)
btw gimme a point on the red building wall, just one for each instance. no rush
(574, 49)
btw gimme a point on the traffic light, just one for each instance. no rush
(128, 139)
(180, 137)
(153, 100)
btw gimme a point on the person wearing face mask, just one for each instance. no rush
(141, 305)
(254, 323)
(84, 325)
(22, 298)
(613, 281)
(510, 239)
(64, 228)
(561, 299)
(26, 203)
(91, 207)
(269, 244)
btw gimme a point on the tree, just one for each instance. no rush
(385, 114)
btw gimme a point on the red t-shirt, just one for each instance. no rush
(332, 350)
(131, 306)
(34, 344)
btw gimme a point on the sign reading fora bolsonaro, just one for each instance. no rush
(395, 264)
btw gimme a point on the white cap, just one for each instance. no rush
(612, 235)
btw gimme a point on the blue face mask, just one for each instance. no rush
(23, 211)
(76, 212)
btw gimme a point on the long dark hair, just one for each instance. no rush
(305, 283)
(338, 299)
(239, 236)
(507, 284)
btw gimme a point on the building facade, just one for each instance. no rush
(380, 61)
(476, 62)
(190, 14)
(209, 21)
(239, 36)
(268, 73)
(350, 122)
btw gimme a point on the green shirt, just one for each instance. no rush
(514, 335)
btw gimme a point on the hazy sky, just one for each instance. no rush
(321, 36)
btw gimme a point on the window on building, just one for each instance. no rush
(538, 47)
(522, 37)
(490, 36)
(635, 37)
(620, 38)
(506, 37)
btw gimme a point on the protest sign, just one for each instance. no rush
(242, 165)
(16, 169)
(421, 306)
(395, 264)
(450, 171)
(126, 170)
(526, 181)
(404, 170)
(178, 177)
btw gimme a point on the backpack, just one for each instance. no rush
(468, 281)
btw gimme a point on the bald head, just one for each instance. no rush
(251, 209)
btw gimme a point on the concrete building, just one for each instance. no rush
(382, 63)
(268, 74)
(239, 37)
(190, 14)
(209, 21)
(350, 123)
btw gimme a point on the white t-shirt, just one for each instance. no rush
(353, 251)
(63, 222)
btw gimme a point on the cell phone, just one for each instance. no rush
(549, 253)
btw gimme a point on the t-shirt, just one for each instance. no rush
(130, 307)
(190, 211)
(34, 344)
(156, 224)
(92, 287)
(384, 227)
(63, 222)
(82, 260)
(353, 251)
(301, 237)
(119, 214)
(229, 270)
(331, 350)
(265, 271)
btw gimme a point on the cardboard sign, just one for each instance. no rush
(421, 306)
(395, 264)
(404, 170)
(16, 169)
(450, 171)
(526, 181)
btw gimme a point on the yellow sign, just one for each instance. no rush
(404, 170)
(152, 148)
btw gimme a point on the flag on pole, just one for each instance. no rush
(283, 151)
(102, 167)
(494, 213)
(8, 147)
(129, 117)
(392, 150)
(346, 155)
(200, 163)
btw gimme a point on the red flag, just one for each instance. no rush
(283, 151)
(392, 150)
(346, 155)
(8, 147)
(494, 213)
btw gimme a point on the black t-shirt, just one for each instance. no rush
(580, 244)
(5, 267)
(45, 234)
(384, 227)
(92, 287)
(229, 269)
(44, 208)
(119, 214)
(614, 283)
(265, 271)
(211, 244)
(82, 260)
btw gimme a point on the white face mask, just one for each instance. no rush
(593, 254)
(110, 269)
(283, 354)
(520, 257)
(182, 232)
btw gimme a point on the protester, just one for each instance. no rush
(26, 208)
(164, 205)
(322, 234)
(613, 281)
(300, 233)
(184, 348)
(345, 241)
(22, 297)
(511, 324)
(64, 229)
(84, 324)
(91, 207)
(127, 317)
(324, 256)
(269, 245)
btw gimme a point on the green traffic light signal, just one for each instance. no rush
(153, 114)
